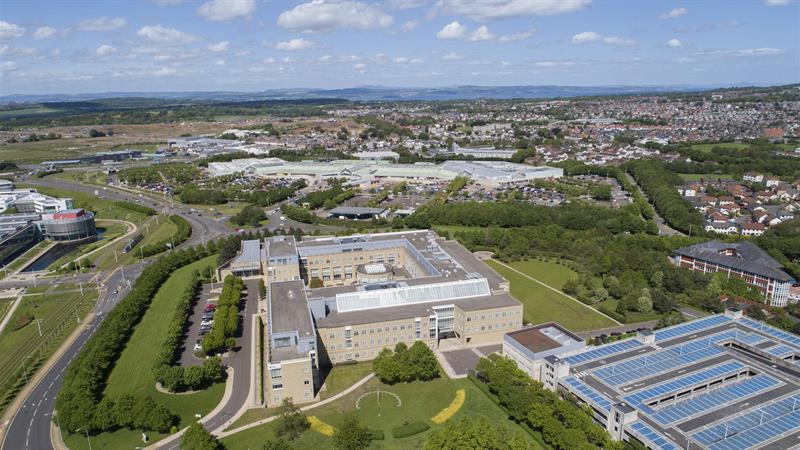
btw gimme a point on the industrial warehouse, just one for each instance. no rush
(336, 300)
(487, 173)
(720, 382)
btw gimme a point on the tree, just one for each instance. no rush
(198, 438)
(468, 434)
(423, 361)
(291, 423)
(351, 435)
(644, 303)
(276, 444)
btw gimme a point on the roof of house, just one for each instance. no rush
(749, 257)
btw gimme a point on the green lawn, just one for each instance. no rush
(103, 208)
(420, 401)
(544, 305)
(132, 371)
(705, 176)
(343, 376)
(448, 231)
(338, 379)
(24, 349)
(547, 272)
(152, 232)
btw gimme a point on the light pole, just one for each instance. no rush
(86, 429)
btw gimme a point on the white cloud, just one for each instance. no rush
(481, 34)
(674, 42)
(496, 9)
(10, 31)
(44, 32)
(268, 60)
(3, 49)
(321, 15)
(452, 56)
(452, 30)
(404, 60)
(409, 25)
(684, 60)
(615, 40)
(294, 44)
(406, 4)
(165, 72)
(777, 2)
(220, 63)
(105, 50)
(102, 24)
(162, 35)
(673, 13)
(585, 37)
(219, 47)
(226, 9)
(8, 66)
(360, 67)
(740, 53)
(547, 64)
(517, 36)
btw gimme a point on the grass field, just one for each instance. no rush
(547, 272)
(705, 176)
(152, 231)
(103, 208)
(544, 305)
(23, 350)
(132, 372)
(113, 230)
(420, 401)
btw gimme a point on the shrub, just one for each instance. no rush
(377, 435)
(409, 429)
(146, 210)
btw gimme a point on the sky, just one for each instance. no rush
(91, 46)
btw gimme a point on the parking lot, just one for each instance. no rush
(193, 330)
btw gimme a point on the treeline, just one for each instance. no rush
(563, 424)
(183, 232)
(329, 198)
(404, 365)
(573, 216)
(135, 207)
(249, 215)
(193, 195)
(176, 377)
(274, 195)
(80, 402)
(759, 156)
(381, 129)
(782, 242)
(661, 186)
(176, 174)
(226, 318)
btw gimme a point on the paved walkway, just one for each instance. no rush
(222, 434)
(131, 230)
(30, 259)
(10, 312)
(557, 290)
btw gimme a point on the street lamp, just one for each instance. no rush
(86, 429)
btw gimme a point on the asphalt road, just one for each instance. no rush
(241, 363)
(30, 427)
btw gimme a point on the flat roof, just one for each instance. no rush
(288, 308)
(337, 319)
(281, 246)
(356, 210)
(251, 253)
(543, 337)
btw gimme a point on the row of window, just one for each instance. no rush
(390, 258)
(496, 327)
(380, 341)
(365, 331)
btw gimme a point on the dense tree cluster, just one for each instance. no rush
(271, 196)
(193, 195)
(84, 381)
(351, 435)
(782, 242)
(298, 213)
(249, 215)
(176, 377)
(660, 185)
(328, 198)
(226, 317)
(405, 365)
(564, 426)
(183, 232)
(466, 434)
(760, 156)
(130, 412)
(175, 174)
(135, 207)
(574, 216)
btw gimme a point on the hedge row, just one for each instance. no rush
(85, 379)
(409, 429)
(181, 235)
(135, 207)
(176, 377)
(226, 317)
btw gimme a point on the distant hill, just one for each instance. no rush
(366, 93)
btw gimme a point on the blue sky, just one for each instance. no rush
(60, 46)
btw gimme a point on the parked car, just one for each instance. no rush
(203, 331)
(198, 346)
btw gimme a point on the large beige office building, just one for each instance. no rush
(377, 290)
